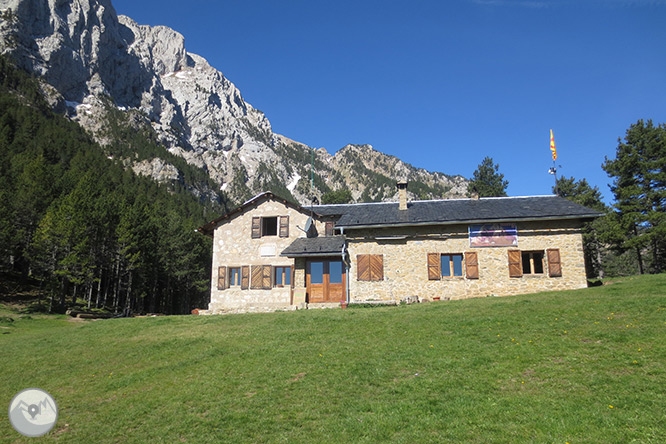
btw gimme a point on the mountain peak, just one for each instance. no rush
(89, 54)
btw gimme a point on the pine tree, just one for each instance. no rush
(34, 194)
(639, 187)
(582, 193)
(341, 196)
(487, 180)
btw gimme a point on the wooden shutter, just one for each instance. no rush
(256, 227)
(434, 267)
(377, 267)
(471, 265)
(554, 265)
(245, 277)
(221, 278)
(515, 264)
(257, 278)
(284, 226)
(329, 228)
(363, 267)
(267, 282)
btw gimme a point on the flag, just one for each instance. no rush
(552, 146)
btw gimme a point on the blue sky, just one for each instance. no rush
(440, 84)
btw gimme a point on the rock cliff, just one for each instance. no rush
(92, 60)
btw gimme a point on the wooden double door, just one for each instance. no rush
(326, 280)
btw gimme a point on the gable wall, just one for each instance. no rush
(233, 246)
(406, 271)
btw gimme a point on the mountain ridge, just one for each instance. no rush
(95, 63)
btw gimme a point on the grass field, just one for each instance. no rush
(585, 366)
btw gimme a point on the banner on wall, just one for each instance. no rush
(493, 235)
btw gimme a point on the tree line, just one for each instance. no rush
(631, 237)
(90, 231)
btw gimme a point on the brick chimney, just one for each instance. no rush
(402, 195)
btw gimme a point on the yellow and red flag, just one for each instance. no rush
(552, 145)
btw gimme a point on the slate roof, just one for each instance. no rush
(315, 246)
(426, 212)
(452, 211)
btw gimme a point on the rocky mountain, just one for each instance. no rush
(116, 77)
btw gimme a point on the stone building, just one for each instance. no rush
(271, 254)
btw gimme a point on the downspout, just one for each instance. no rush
(344, 256)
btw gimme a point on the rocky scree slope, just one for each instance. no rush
(99, 67)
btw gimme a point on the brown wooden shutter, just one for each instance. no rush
(471, 265)
(363, 267)
(256, 227)
(284, 226)
(257, 278)
(377, 267)
(329, 228)
(245, 277)
(515, 264)
(434, 267)
(267, 282)
(554, 265)
(221, 278)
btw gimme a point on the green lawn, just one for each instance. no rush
(585, 366)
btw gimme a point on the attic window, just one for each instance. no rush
(269, 226)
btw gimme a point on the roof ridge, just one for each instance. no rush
(436, 200)
(356, 203)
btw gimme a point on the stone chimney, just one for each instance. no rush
(402, 195)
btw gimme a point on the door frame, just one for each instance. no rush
(326, 285)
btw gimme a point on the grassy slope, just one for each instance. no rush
(579, 366)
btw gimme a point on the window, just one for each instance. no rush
(532, 262)
(370, 267)
(447, 265)
(234, 276)
(329, 228)
(451, 265)
(316, 272)
(282, 276)
(335, 272)
(268, 226)
(255, 277)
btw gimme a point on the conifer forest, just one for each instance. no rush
(87, 229)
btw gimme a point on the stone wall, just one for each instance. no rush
(233, 246)
(406, 271)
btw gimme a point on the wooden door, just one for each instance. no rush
(326, 281)
(315, 281)
(335, 280)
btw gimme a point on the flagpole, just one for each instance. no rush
(557, 189)
(553, 170)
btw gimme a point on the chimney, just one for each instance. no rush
(402, 195)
